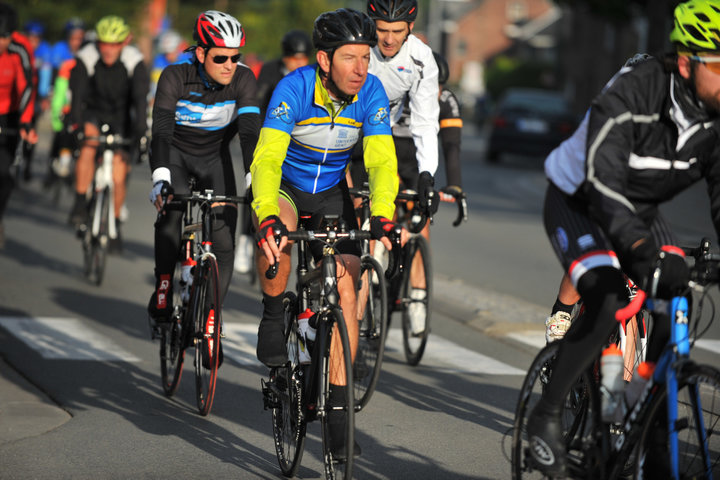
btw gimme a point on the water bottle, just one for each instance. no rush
(636, 386)
(612, 384)
(186, 278)
(306, 335)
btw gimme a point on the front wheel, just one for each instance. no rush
(579, 416)
(417, 295)
(338, 465)
(207, 322)
(372, 318)
(95, 246)
(172, 342)
(698, 429)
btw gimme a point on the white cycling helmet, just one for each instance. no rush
(169, 41)
(218, 29)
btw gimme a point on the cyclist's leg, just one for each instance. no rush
(121, 168)
(271, 348)
(84, 172)
(561, 314)
(599, 281)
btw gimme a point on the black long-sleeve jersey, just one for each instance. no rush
(113, 94)
(645, 139)
(200, 117)
(450, 135)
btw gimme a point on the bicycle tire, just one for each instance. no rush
(413, 342)
(95, 247)
(333, 471)
(207, 322)
(579, 416)
(172, 342)
(372, 330)
(694, 382)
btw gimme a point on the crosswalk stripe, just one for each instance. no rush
(64, 339)
(241, 340)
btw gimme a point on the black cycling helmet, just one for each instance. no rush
(342, 27)
(8, 20)
(392, 10)
(443, 69)
(296, 42)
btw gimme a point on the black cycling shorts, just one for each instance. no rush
(333, 201)
(579, 242)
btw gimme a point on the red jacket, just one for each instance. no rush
(17, 91)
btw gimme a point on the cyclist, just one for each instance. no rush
(296, 47)
(170, 46)
(17, 97)
(109, 84)
(65, 49)
(650, 134)
(314, 120)
(450, 132)
(199, 107)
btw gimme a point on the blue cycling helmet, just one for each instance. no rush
(73, 24)
(34, 27)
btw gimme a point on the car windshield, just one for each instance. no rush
(541, 102)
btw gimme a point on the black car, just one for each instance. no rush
(529, 122)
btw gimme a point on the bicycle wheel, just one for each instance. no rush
(579, 416)
(416, 314)
(284, 395)
(697, 427)
(372, 316)
(172, 343)
(207, 322)
(95, 247)
(338, 468)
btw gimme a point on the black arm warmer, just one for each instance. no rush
(248, 130)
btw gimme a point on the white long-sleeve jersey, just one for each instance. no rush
(410, 79)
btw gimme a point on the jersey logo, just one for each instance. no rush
(381, 116)
(403, 69)
(282, 112)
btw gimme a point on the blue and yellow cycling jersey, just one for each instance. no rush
(307, 140)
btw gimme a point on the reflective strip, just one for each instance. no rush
(646, 163)
(451, 122)
(595, 259)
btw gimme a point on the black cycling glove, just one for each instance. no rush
(429, 201)
(270, 227)
(672, 274)
(381, 227)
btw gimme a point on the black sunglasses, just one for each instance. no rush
(220, 59)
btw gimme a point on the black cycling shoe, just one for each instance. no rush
(79, 213)
(336, 424)
(160, 307)
(271, 348)
(545, 435)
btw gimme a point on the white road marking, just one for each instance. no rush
(64, 339)
(241, 339)
(711, 345)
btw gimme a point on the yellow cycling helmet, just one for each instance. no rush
(697, 25)
(112, 29)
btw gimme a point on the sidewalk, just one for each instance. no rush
(25, 411)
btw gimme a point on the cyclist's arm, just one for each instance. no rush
(140, 88)
(381, 165)
(266, 171)
(608, 148)
(168, 92)
(712, 178)
(424, 112)
(248, 120)
(450, 136)
(24, 80)
(79, 82)
(59, 97)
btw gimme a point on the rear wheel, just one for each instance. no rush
(284, 393)
(698, 424)
(208, 323)
(417, 293)
(372, 318)
(338, 468)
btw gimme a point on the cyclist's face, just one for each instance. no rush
(75, 39)
(707, 82)
(391, 36)
(349, 67)
(221, 73)
(296, 61)
(5, 43)
(110, 52)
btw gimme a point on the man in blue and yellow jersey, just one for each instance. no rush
(316, 115)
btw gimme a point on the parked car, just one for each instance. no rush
(529, 122)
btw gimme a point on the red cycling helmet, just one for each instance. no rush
(218, 29)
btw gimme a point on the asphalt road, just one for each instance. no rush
(84, 357)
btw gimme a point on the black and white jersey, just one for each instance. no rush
(644, 139)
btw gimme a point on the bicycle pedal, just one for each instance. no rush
(270, 396)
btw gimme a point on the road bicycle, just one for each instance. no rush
(196, 320)
(298, 393)
(101, 226)
(410, 291)
(670, 431)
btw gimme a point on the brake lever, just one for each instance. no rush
(395, 257)
(272, 270)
